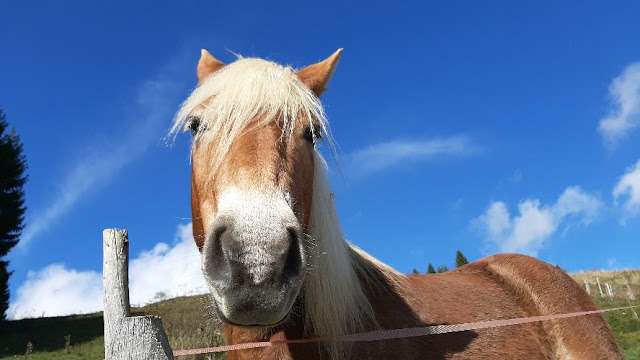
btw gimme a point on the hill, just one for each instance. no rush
(190, 324)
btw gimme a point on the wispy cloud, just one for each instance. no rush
(527, 232)
(380, 157)
(629, 187)
(57, 290)
(624, 114)
(155, 102)
(516, 177)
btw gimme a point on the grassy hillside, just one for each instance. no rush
(185, 320)
(189, 325)
(625, 324)
(617, 279)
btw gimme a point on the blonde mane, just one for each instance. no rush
(243, 96)
(333, 289)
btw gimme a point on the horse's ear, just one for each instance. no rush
(207, 65)
(317, 76)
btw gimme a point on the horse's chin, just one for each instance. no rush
(227, 321)
(242, 312)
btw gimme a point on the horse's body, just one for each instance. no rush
(498, 287)
(278, 266)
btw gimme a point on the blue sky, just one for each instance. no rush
(484, 127)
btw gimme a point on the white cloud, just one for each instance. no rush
(625, 112)
(172, 270)
(574, 201)
(155, 101)
(380, 157)
(527, 232)
(57, 290)
(629, 187)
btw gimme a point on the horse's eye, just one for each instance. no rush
(193, 124)
(311, 134)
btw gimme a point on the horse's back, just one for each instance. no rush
(502, 287)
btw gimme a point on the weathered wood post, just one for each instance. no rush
(115, 280)
(586, 287)
(599, 287)
(131, 338)
(609, 290)
(630, 292)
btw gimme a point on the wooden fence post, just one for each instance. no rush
(139, 337)
(115, 280)
(599, 287)
(630, 292)
(609, 290)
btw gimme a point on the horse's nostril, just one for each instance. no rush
(218, 248)
(217, 233)
(293, 260)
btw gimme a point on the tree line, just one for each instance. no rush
(460, 260)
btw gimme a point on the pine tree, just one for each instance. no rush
(415, 271)
(12, 178)
(442, 269)
(460, 259)
(430, 269)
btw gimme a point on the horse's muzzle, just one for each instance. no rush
(254, 272)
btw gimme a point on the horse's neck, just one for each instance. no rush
(293, 328)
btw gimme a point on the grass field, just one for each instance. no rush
(188, 325)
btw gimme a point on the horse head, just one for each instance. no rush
(254, 125)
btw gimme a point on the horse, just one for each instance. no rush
(278, 266)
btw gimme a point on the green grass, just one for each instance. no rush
(625, 328)
(47, 337)
(189, 326)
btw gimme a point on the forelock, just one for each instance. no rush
(244, 95)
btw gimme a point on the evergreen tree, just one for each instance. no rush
(560, 268)
(430, 269)
(460, 259)
(415, 271)
(12, 178)
(442, 269)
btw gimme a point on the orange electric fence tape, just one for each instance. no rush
(398, 333)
